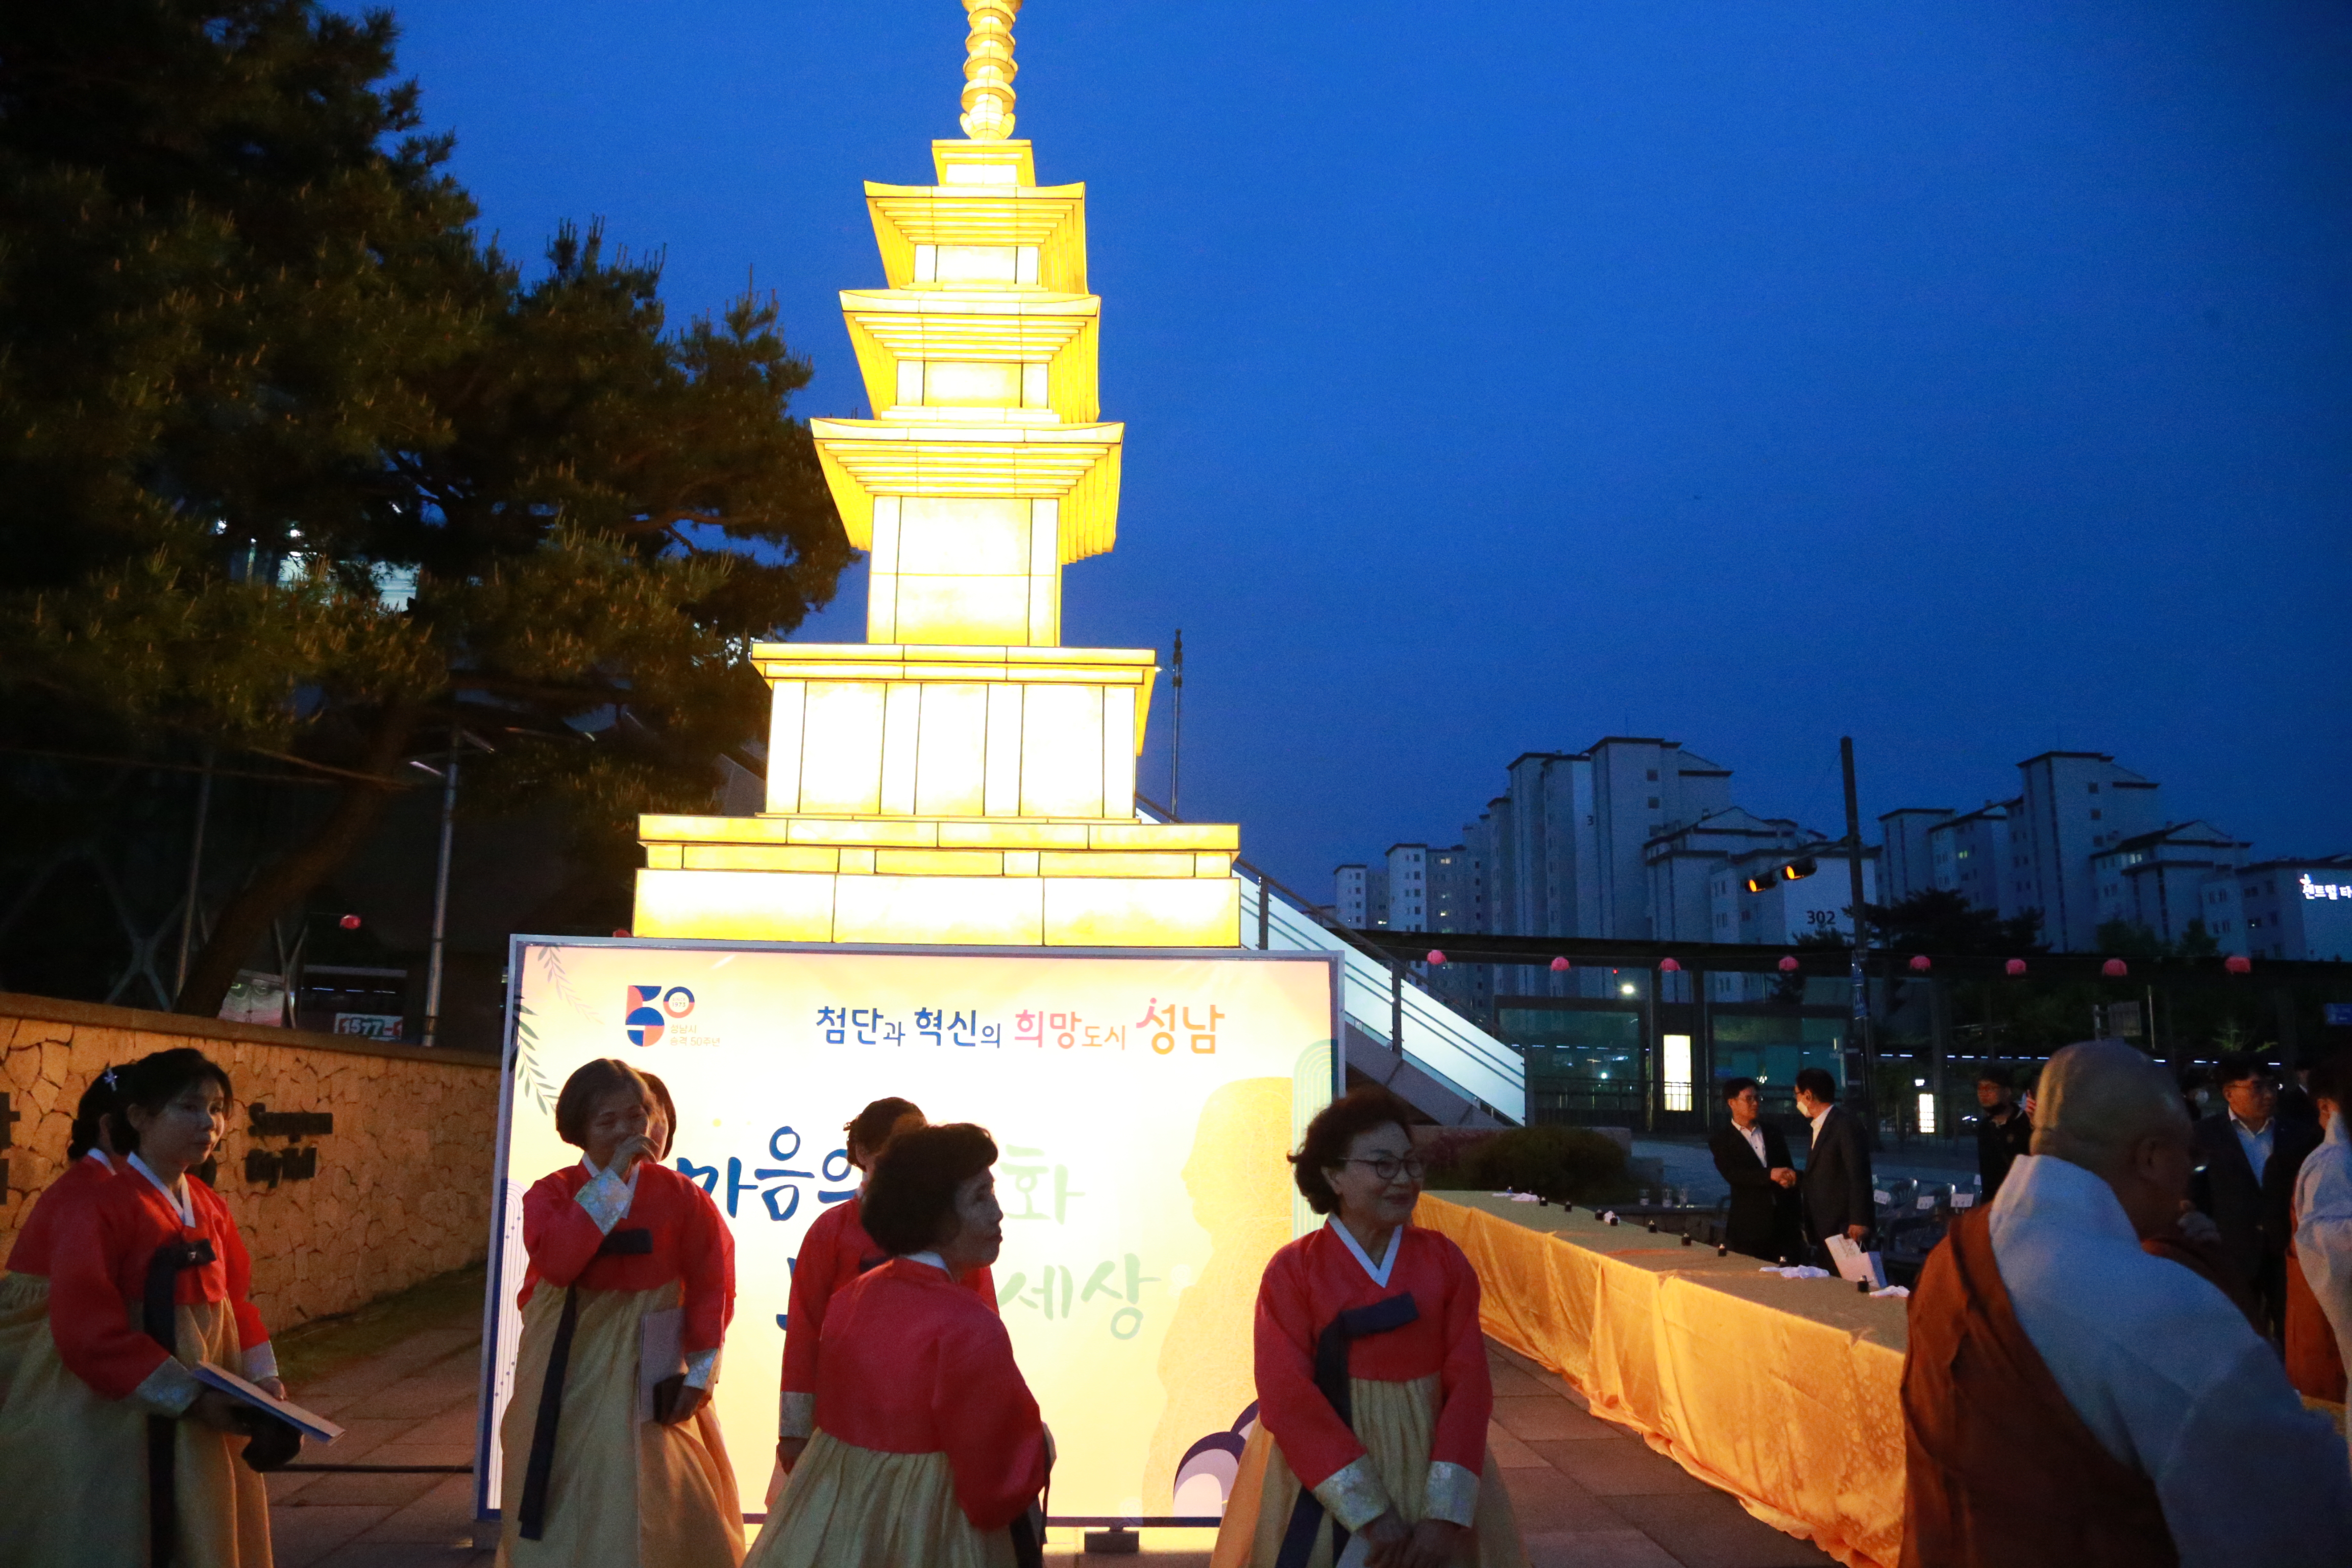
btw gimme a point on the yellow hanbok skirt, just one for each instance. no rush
(622, 1493)
(23, 1315)
(847, 1506)
(76, 1465)
(1395, 1422)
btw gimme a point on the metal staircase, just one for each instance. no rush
(1449, 1069)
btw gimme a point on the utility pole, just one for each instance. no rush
(1176, 733)
(441, 892)
(1861, 1044)
(195, 874)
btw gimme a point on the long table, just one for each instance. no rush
(1784, 1393)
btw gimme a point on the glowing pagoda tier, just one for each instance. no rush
(960, 777)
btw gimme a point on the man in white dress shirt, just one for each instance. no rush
(2182, 1421)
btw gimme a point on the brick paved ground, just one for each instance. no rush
(1588, 1494)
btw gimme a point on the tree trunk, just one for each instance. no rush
(291, 875)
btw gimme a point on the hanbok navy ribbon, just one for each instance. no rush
(635, 1242)
(159, 1318)
(1332, 1382)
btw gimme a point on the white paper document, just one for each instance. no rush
(308, 1423)
(1853, 1263)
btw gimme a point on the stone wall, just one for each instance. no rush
(400, 1189)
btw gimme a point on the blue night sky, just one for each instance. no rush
(1972, 378)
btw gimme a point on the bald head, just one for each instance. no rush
(2098, 1099)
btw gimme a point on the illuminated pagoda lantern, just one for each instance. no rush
(959, 776)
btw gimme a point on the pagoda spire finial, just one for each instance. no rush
(988, 69)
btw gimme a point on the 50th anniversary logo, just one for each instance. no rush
(654, 1011)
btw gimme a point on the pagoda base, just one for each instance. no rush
(1063, 882)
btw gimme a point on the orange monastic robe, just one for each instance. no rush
(2001, 1469)
(2314, 1362)
(835, 1251)
(929, 1445)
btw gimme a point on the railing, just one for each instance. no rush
(1439, 1041)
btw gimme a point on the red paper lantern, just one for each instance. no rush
(1789, 964)
(1436, 956)
(349, 922)
(2014, 967)
(1560, 966)
(622, 933)
(1668, 966)
(2238, 963)
(1919, 965)
(2114, 969)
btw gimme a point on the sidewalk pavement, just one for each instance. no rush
(1588, 1494)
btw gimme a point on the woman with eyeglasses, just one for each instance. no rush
(1374, 1396)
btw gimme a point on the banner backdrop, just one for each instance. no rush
(1142, 1105)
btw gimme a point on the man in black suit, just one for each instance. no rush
(2247, 1158)
(1836, 1181)
(2003, 1130)
(1754, 1159)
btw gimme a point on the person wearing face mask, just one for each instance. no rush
(928, 1451)
(617, 1246)
(91, 1162)
(1373, 1394)
(115, 1455)
(835, 1251)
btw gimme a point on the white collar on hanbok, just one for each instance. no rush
(933, 1258)
(181, 1199)
(99, 1156)
(1379, 1271)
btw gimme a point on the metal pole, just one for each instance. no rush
(196, 871)
(1396, 1007)
(441, 896)
(1862, 1041)
(1261, 912)
(1176, 731)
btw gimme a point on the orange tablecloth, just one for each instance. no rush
(1784, 1393)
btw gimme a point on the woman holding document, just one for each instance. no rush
(1373, 1389)
(610, 1438)
(116, 1454)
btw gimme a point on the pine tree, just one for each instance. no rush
(293, 463)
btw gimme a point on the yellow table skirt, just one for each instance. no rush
(1784, 1393)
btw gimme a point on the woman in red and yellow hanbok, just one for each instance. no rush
(627, 1258)
(115, 1455)
(64, 1205)
(834, 1253)
(1373, 1394)
(928, 1451)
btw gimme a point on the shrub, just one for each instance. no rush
(1566, 1164)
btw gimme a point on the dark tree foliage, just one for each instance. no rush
(293, 463)
(1938, 920)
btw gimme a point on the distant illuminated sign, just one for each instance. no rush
(2312, 889)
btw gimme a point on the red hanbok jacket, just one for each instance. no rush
(65, 1206)
(690, 1244)
(97, 1279)
(835, 1251)
(1314, 1279)
(913, 1363)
